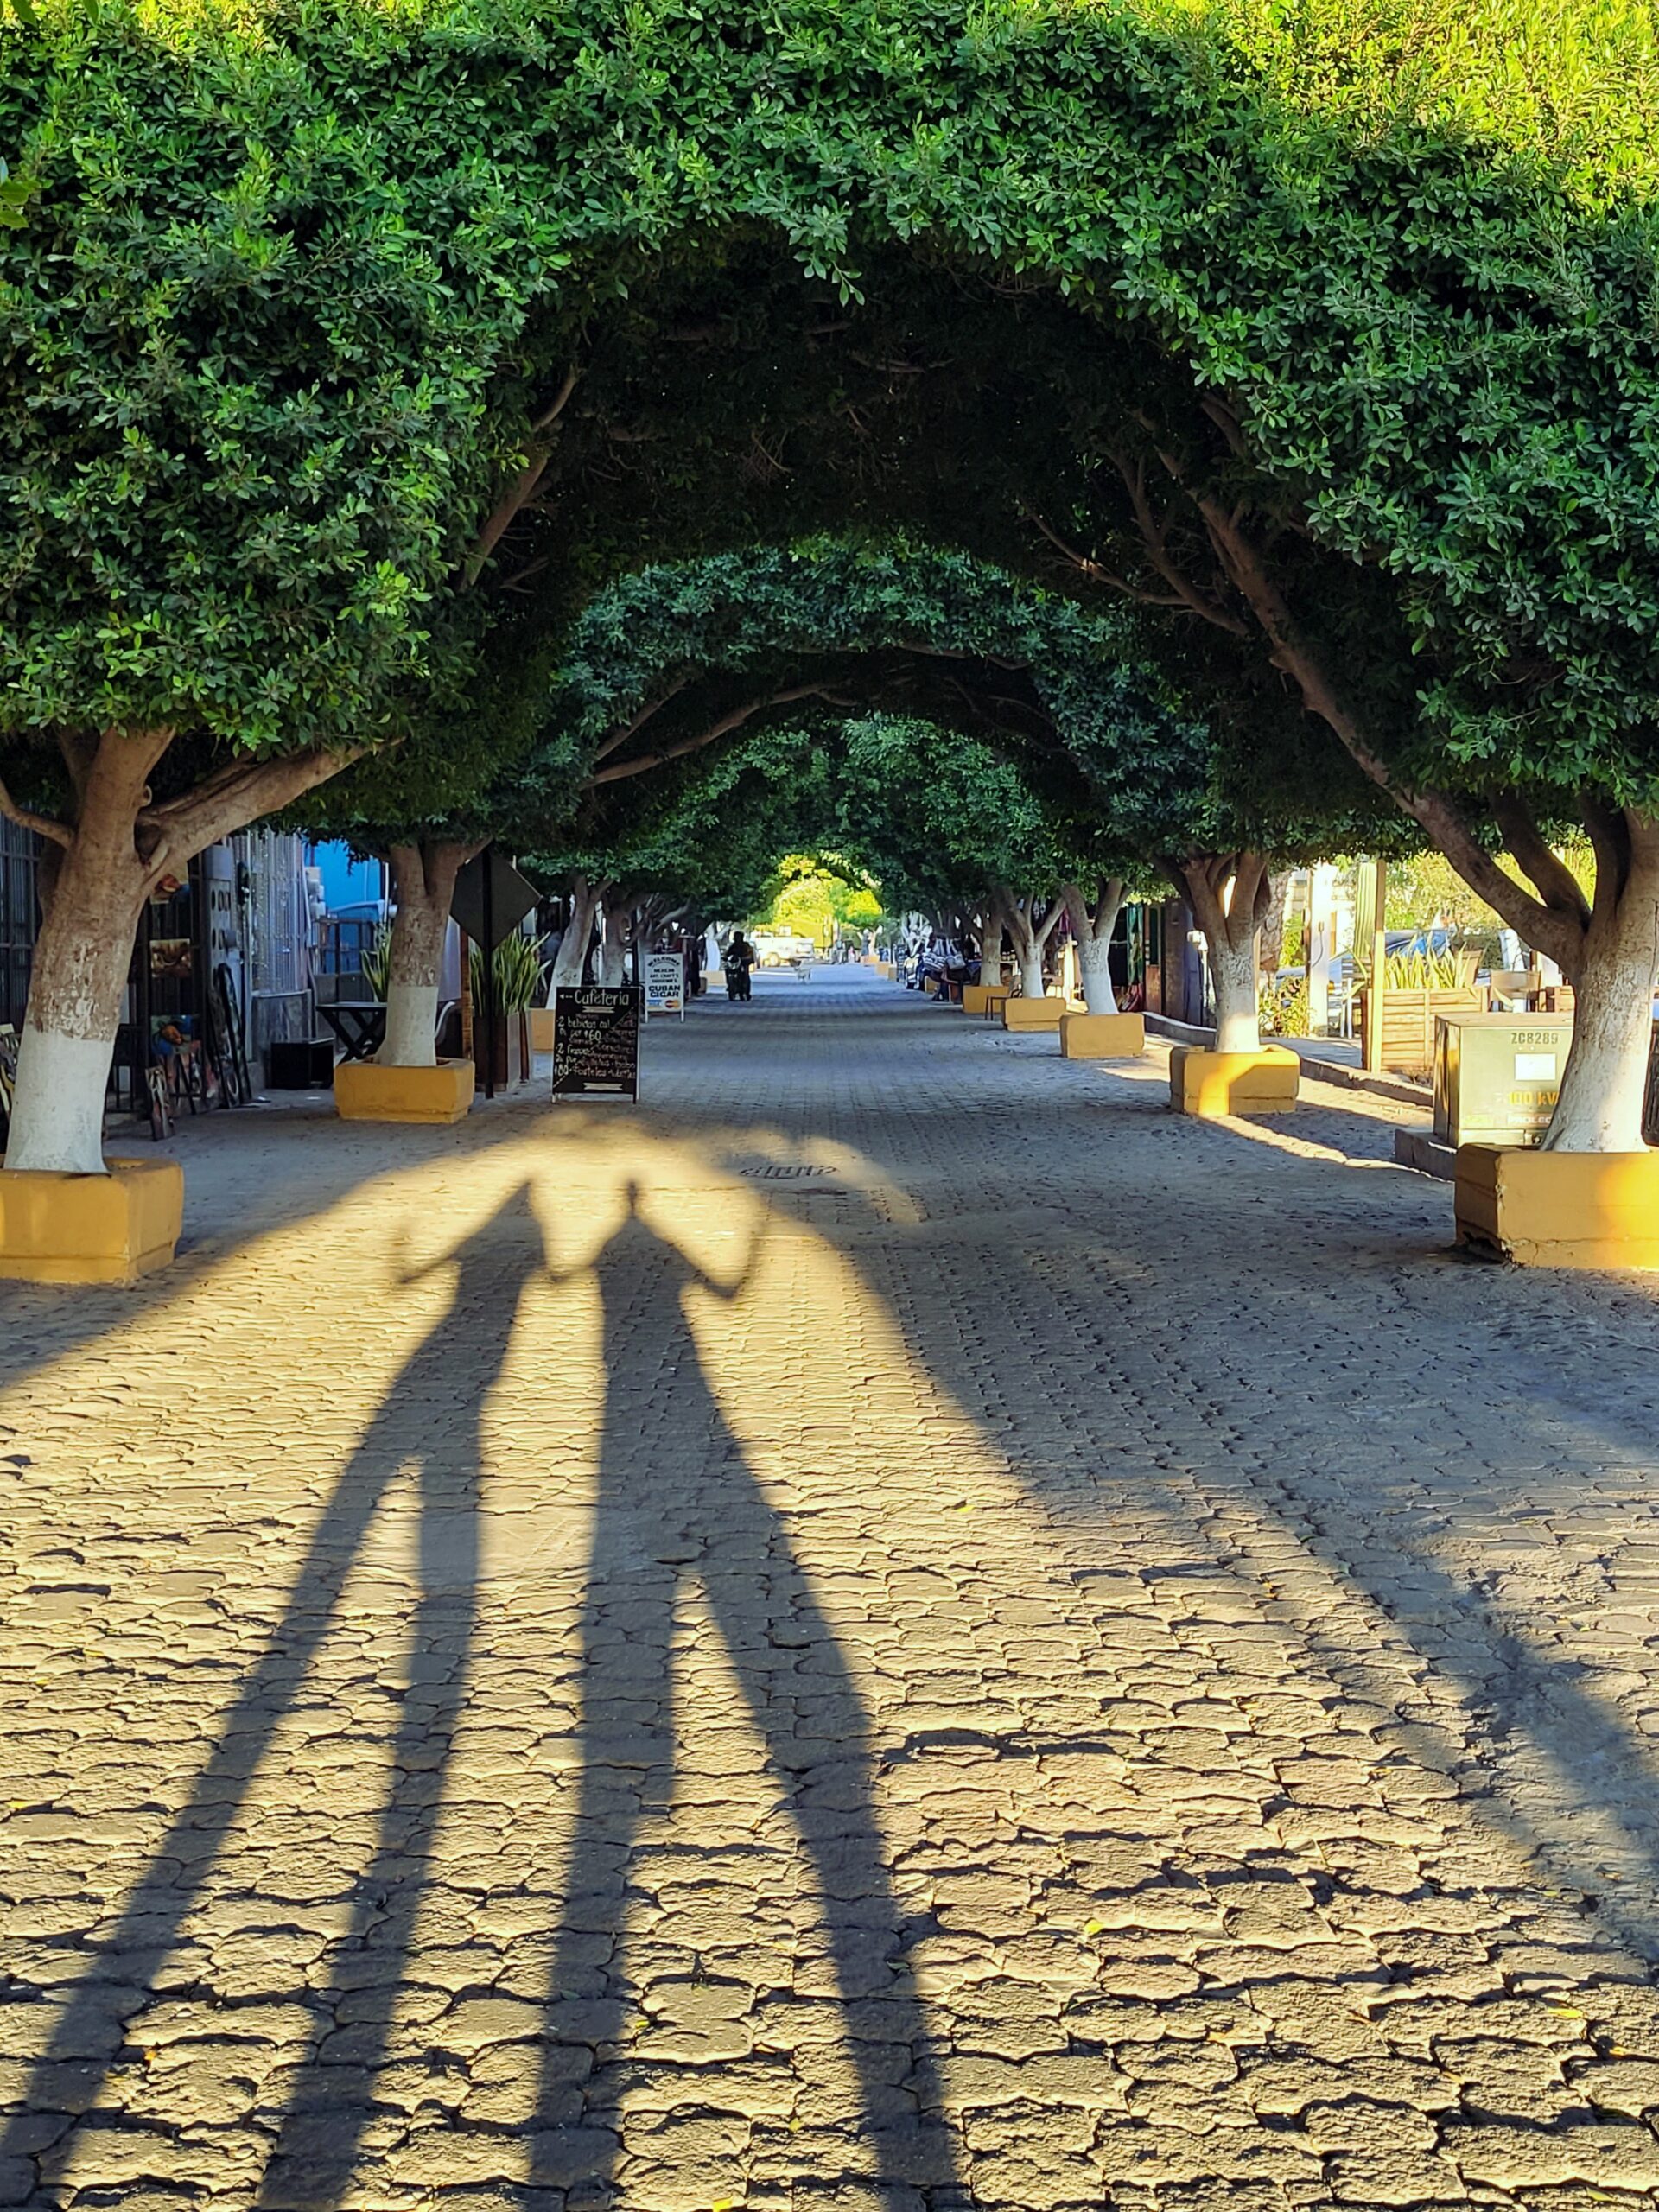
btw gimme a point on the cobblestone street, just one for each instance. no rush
(900, 1628)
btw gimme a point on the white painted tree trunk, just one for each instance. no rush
(613, 948)
(424, 884)
(1094, 973)
(571, 957)
(101, 869)
(1232, 974)
(1604, 1082)
(1031, 971)
(81, 959)
(57, 1109)
(410, 1040)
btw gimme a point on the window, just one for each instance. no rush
(18, 919)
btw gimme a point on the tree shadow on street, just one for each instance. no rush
(1356, 1447)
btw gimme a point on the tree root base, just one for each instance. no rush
(1214, 1084)
(56, 1227)
(1102, 1036)
(1027, 1015)
(1560, 1209)
(366, 1092)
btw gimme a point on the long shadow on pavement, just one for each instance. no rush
(456, 1363)
(796, 1684)
(41, 1323)
(801, 1700)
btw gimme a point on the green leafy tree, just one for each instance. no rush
(292, 308)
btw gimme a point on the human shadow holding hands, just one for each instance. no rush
(677, 1501)
(450, 1371)
(453, 1370)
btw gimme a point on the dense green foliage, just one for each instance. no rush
(290, 285)
(1083, 761)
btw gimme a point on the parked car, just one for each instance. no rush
(781, 949)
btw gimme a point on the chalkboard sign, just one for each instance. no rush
(596, 1042)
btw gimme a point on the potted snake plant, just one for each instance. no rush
(517, 986)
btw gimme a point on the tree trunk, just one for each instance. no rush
(1238, 1010)
(1030, 939)
(1232, 928)
(424, 884)
(108, 860)
(991, 948)
(613, 944)
(571, 959)
(1094, 974)
(82, 958)
(1094, 926)
(1604, 1085)
(1272, 922)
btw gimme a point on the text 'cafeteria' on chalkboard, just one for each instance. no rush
(596, 1042)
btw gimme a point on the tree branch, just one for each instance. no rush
(1541, 925)
(220, 808)
(523, 485)
(1611, 841)
(1082, 562)
(1555, 882)
(1154, 538)
(43, 825)
(556, 406)
(1191, 877)
(619, 738)
(1087, 566)
(407, 865)
(723, 728)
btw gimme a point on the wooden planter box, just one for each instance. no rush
(513, 1063)
(1407, 1044)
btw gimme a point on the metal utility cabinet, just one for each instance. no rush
(1497, 1076)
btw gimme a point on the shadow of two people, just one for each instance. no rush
(799, 1695)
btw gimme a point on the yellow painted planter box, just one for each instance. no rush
(366, 1091)
(930, 986)
(1560, 1209)
(975, 997)
(1213, 1083)
(1032, 1014)
(1102, 1036)
(541, 1029)
(113, 1227)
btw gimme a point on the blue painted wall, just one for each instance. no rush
(348, 885)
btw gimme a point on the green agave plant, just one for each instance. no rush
(517, 975)
(377, 962)
(1422, 972)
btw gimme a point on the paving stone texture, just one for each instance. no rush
(964, 1642)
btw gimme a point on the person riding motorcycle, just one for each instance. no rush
(739, 959)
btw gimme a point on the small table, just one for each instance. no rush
(361, 1026)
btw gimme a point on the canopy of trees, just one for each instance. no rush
(349, 352)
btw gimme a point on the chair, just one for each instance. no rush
(1515, 989)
